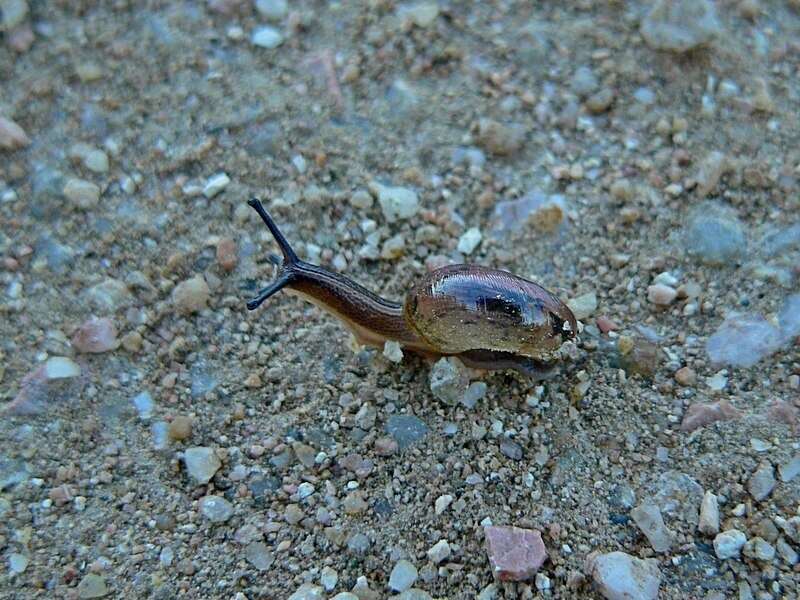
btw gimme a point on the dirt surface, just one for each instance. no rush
(661, 183)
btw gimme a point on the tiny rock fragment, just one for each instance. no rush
(515, 554)
(680, 25)
(743, 340)
(469, 240)
(216, 184)
(712, 169)
(226, 254)
(762, 482)
(92, 586)
(191, 296)
(266, 37)
(759, 549)
(83, 194)
(583, 306)
(12, 136)
(498, 138)
(701, 414)
(393, 352)
(709, 515)
(96, 336)
(448, 381)
(216, 508)
(648, 518)
(397, 203)
(180, 428)
(439, 552)
(661, 295)
(201, 463)
(308, 591)
(403, 576)
(791, 469)
(686, 376)
(442, 502)
(729, 543)
(619, 576)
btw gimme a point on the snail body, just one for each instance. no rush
(489, 319)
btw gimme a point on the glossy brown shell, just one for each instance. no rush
(467, 307)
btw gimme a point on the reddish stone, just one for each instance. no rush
(96, 336)
(514, 553)
(783, 412)
(226, 254)
(699, 414)
(604, 324)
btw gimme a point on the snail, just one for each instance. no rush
(489, 319)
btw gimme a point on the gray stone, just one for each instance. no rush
(406, 430)
(92, 586)
(144, 405)
(448, 381)
(412, 594)
(786, 552)
(789, 470)
(680, 25)
(583, 306)
(648, 518)
(709, 515)
(677, 496)
(743, 340)
(109, 296)
(83, 194)
(13, 13)
(358, 543)
(259, 555)
(729, 543)
(584, 81)
(762, 482)
(714, 235)
(17, 563)
(759, 549)
(510, 448)
(619, 576)
(439, 552)
(397, 203)
(329, 578)
(201, 463)
(216, 508)
(308, 591)
(476, 391)
(274, 10)
(403, 576)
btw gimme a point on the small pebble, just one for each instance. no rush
(403, 576)
(274, 10)
(448, 381)
(686, 376)
(499, 139)
(329, 578)
(583, 306)
(180, 428)
(215, 185)
(619, 576)
(83, 194)
(95, 336)
(92, 586)
(201, 463)
(661, 295)
(266, 37)
(709, 515)
(442, 502)
(439, 552)
(397, 203)
(469, 241)
(191, 296)
(729, 543)
(762, 482)
(216, 508)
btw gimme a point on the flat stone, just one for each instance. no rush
(60, 367)
(403, 576)
(92, 586)
(759, 549)
(742, 340)
(515, 554)
(649, 520)
(83, 194)
(439, 552)
(95, 336)
(619, 576)
(729, 543)
(790, 470)
(469, 240)
(308, 591)
(583, 306)
(448, 381)
(701, 414)
(406, 430)
(680, 25)
(216, 508)
(201, 463)
(258, 554)
(191, 296)
(762, 482)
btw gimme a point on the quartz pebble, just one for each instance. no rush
(397, 203)
(439, 552)
(266, 37)
(714, 235)
(709, 515)
(469, 240)
(648, 518)
(545, 212)
(191, 296)
(329, 578)
(403, 576)
(448, 381)
(201, 463)
(729, 543)
(680, 25)
(144, 405)
(619, 576)
(442, 502)
(17, 563)
(95, 336)
(393, 351)
(216, 508)
(215, 185)
(515, 554)
(661, 295)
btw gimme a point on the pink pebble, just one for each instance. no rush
(515, 554)
(95, 336)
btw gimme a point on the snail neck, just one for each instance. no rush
(372, 319)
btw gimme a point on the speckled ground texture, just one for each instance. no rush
(660, 197)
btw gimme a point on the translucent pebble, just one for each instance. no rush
(714, 237)
(742, 340)
(144, 404)
(160, 432)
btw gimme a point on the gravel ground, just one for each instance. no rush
(160, 441)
